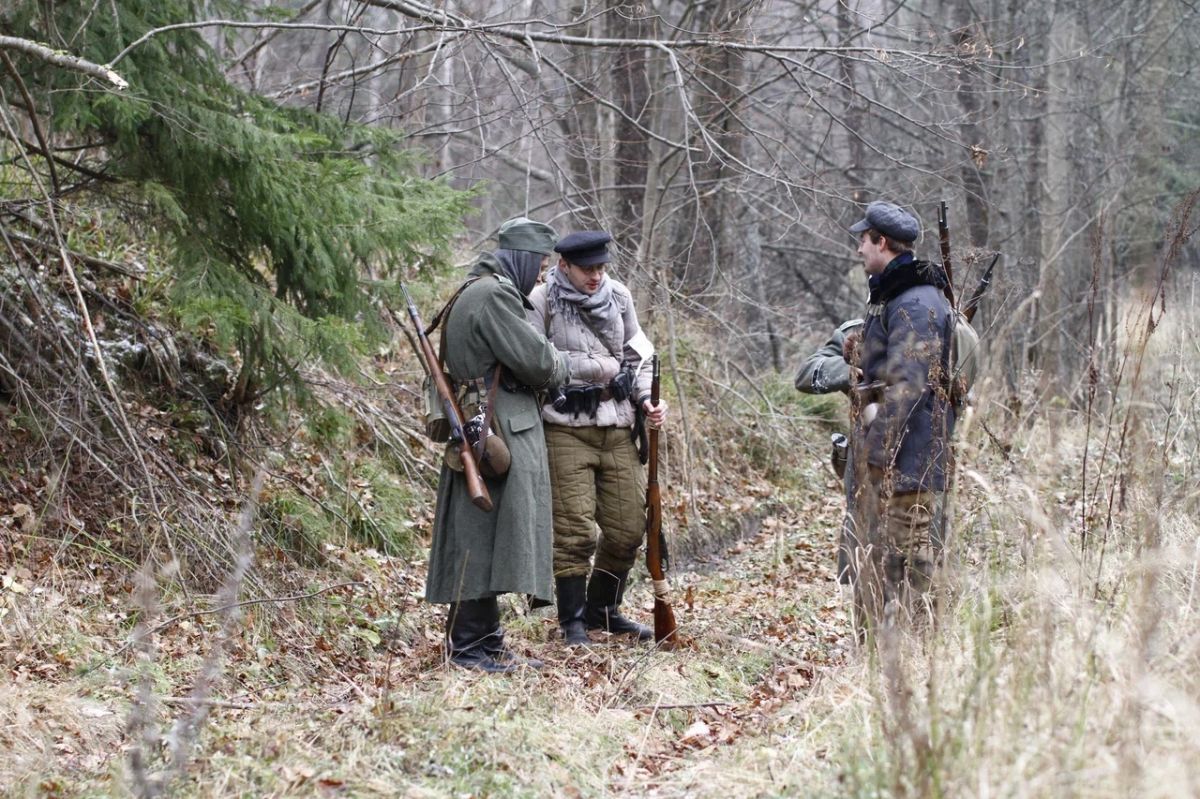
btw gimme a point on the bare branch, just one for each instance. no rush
(61, 59)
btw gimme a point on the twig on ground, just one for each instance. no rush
(755, 646)
(684, 706)
(187, 701)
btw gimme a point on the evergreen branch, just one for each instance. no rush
(62, 59)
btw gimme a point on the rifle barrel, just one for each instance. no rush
(944, 240)
(977, 296)
(665, 630)
(475, 485)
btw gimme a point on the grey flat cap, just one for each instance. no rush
(889, 219)
(525, 234)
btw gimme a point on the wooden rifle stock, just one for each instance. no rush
(475, 486)
(665, 632)
(944, 239)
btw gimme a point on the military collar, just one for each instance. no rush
(488, 266)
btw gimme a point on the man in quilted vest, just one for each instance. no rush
(596, 476)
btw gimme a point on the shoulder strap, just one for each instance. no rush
(443, 314)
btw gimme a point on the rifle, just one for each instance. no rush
(665, 633)
(973, 304)
(475, 486)
(944, 238)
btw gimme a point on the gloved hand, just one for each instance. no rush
(621, 386)
(558, 398)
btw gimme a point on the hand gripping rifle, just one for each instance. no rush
(665, 633)
(475, 486)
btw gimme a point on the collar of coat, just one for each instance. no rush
(489, 266)
(903, 273)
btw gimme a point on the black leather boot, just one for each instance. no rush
(571, 591)
(495, 646)
(472, 627)
(602, 611)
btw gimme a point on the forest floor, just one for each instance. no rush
(1065, 663)
(346, 692)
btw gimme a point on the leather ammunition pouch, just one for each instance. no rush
(437, 426)
(576, 400)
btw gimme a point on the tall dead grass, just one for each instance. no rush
(1066, 662)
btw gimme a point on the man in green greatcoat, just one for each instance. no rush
(477, 555)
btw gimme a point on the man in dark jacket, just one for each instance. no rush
(904, 417)
(478, 555)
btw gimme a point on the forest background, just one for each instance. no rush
(216, 495)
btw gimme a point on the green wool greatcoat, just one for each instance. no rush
(508, 550)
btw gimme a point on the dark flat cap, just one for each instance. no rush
(525, 234)
(584, 247)
(889, 219)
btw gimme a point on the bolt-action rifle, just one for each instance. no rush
(665, 633)
(475, 486)
(984, 282)
(944, 239)
(972, 304)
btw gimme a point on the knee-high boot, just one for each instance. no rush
(473, 633)
(571, 594)
(605, 592)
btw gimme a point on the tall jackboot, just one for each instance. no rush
(602, 611)
(472, 626)
(571, 592)
(495, 646)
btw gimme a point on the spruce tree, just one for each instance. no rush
(273, 214)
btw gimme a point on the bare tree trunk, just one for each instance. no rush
(971, 85)
(853, 109)
(631, 86)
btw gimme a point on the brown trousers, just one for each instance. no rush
(896, 560)
(595, 479)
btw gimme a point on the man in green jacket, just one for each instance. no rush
(477, 556)
(826, 369)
